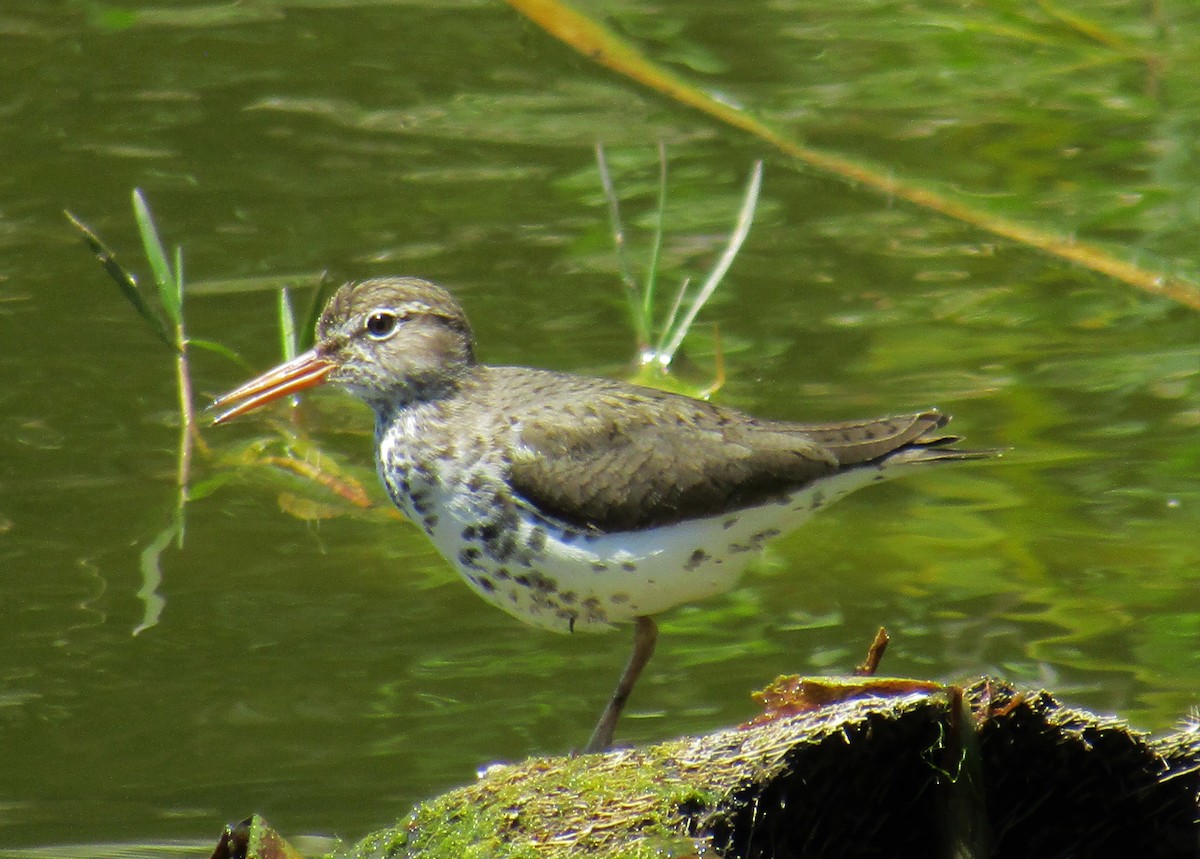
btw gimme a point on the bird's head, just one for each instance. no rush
(389, 341)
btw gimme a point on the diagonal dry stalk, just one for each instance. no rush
(595, 41)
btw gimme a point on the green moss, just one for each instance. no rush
(982, 769)
(548, 808)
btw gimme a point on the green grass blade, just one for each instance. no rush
(287, 325)
(740, 231)
(220, 349)
(308, 333)
(179, 282)
(164, 279)
(641, 323)
(656, 248)
(125, 282)
(669, 323)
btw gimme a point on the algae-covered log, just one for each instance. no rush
(981, 771)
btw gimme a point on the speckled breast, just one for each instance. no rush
(564, 578)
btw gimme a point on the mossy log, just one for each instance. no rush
(944, 771)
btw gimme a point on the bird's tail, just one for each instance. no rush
(898, 440)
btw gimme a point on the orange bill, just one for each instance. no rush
(303, 371)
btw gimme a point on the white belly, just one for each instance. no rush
(568, 580)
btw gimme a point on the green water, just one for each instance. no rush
(330, 673)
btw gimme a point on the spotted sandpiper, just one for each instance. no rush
(577, 503)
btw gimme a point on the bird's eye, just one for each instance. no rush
(381, 323)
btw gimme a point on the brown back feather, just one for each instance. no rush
(606, 456)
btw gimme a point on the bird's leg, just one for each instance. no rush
(645, 634)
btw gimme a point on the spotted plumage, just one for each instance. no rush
(577, 503)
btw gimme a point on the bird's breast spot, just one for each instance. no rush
(698, 557)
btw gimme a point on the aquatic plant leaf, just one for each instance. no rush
(637, 313)
(308, 329)
(205, 488)
(220, 349)
(656, 246)
(124, 281)
(164, 277)
(741, 230)
(178, 282)
(308, 509)
(287, 325)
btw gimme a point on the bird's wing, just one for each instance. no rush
(621, 458)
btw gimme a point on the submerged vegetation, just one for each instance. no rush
(288, 452)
